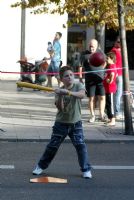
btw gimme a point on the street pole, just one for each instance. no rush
(126, 86)
(23, 21)
(22, 44)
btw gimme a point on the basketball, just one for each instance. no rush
(97, 59)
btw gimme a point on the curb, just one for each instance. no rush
(92, 141)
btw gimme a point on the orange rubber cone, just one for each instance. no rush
(48, 180)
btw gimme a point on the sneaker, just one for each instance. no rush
(102, 119)
(92, 119)
(37, 170)
(87, 174)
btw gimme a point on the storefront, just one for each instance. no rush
(110, 37)
(78, 37)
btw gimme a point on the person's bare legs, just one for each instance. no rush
(49, 81)
(111, 122)
(102, 104)
(58, 81)
(91, 108)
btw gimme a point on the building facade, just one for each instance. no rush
(78, 37)
(39, 29)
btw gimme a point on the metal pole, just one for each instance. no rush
(126, 86)
(22, 44)
(23, 21)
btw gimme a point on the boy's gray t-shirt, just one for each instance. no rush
(72, 106)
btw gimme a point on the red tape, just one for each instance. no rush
(54, 73)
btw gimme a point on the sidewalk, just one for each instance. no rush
(29, 115)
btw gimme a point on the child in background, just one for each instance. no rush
(50, 49)
(110, 87)
(68, 123)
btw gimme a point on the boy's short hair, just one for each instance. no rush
(112, 56)
(63, 70)
(59, 33)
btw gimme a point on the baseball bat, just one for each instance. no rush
(34, 86)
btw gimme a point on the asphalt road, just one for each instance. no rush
(17, 161)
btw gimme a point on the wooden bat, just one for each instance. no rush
(34, 86)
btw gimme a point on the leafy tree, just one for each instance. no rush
(95, 13)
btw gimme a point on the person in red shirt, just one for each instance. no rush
(110, 87)
(119, 81)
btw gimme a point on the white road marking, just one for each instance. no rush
(112, 167)
(99, 167)
(7, 167)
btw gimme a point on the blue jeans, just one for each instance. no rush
(118, 95)
(60, 131)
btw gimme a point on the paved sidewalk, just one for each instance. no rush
(29, 115)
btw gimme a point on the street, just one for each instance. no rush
(17, 160)
(27, 118)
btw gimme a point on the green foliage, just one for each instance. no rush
(34, 3)
(89, 12)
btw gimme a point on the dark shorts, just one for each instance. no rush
(94, 89)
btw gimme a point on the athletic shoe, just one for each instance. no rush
(103, 119)
(92, 119)
(87, 174)
(37, 170)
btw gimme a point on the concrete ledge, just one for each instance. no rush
(92, 141)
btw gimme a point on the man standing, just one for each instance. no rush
(117, 50)
(93, 81)
(55, 57)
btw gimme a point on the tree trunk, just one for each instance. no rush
(126, 87)
(99, 33)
